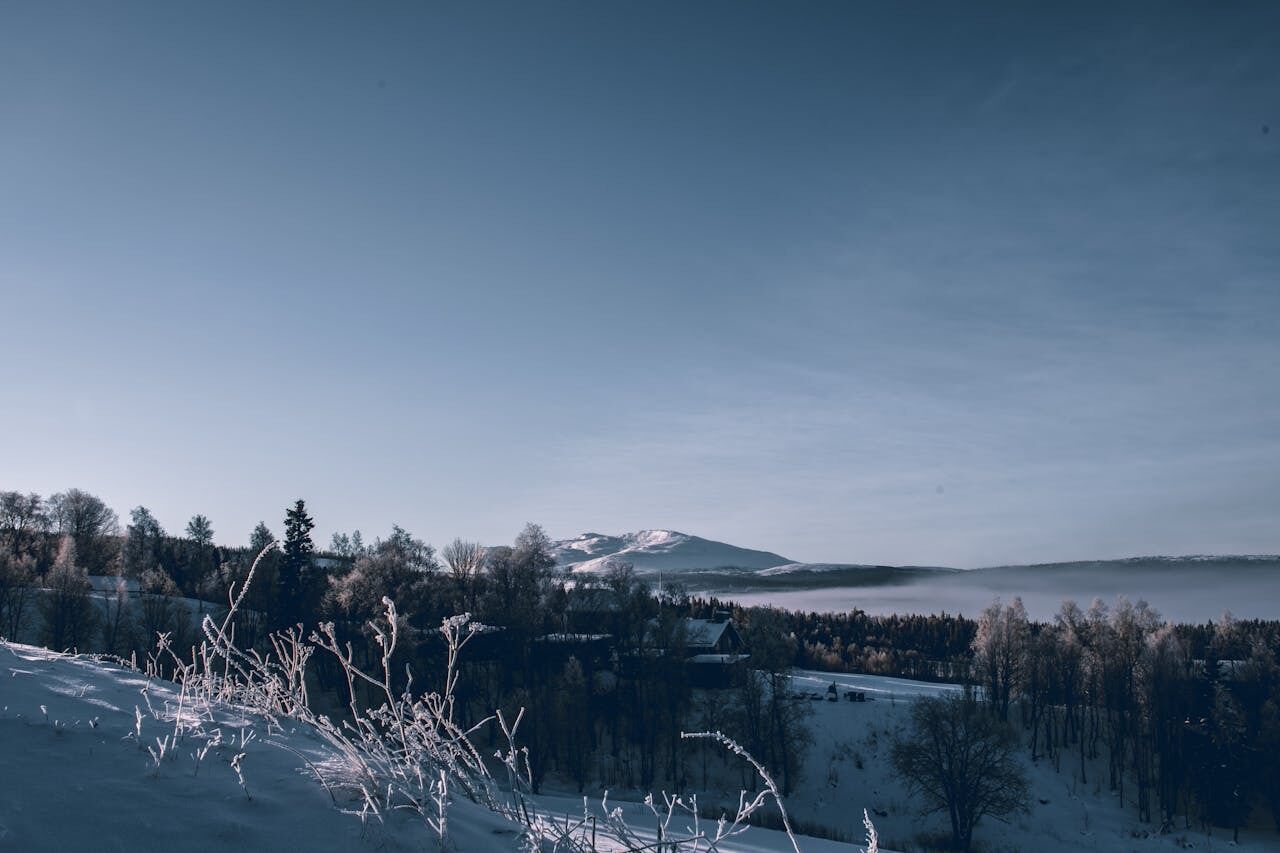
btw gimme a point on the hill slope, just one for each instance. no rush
(79, 772)
(658, 551)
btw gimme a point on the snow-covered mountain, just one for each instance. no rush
(659, 551)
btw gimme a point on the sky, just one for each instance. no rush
(949, 284)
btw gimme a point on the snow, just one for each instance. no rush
(795, 568)
(875, 686)
(67, 729)
(755, 840)
(658, 551)
(718, 658)
(78, 776)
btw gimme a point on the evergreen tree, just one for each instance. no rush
(201, 557)
(142, 543)
(200, 530)
(295, 566)
(263, 587)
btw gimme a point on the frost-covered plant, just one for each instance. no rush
(873, 837)
(157, 754)
(771, 787)
(237, 764)
(201, 751)
(677, 825)
(439, 821)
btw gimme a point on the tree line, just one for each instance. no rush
(927, 647)
(1182, 720)
(596, 710)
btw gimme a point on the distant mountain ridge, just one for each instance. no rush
(651, 551)
(1151, 560)
(658, 550)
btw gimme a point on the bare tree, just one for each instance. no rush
(90, 523)
(160, 611)
(117, 618)
(465, 560)
(17, 582)
(961, 760)
(784, 734)
(1000, 650)
(23, 521)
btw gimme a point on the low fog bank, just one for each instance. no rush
(1184, 590)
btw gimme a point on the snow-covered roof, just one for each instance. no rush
(704, 632)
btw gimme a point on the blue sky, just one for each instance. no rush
(957, 284)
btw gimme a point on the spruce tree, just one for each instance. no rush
(143, 542)
(295, 567)
(200, 530)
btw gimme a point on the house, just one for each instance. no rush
(714, 636)
(717, 655)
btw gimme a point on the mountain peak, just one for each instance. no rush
(658, 550)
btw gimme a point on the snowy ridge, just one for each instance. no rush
(658, 551)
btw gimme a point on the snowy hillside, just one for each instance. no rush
(99, 757)
(849, 766)
(658, 551)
